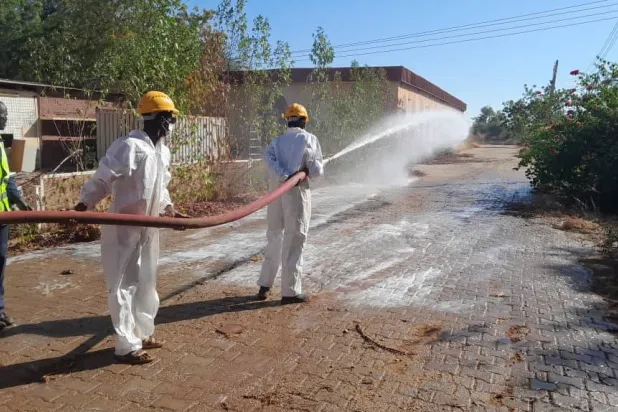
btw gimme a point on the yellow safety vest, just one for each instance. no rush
(4, 180)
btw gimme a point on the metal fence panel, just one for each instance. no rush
(193, 139)
(112, 124)
(197, 138)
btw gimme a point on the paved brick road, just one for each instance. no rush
(427, 298)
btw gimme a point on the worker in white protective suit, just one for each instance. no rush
(288, 217)
(135, 171)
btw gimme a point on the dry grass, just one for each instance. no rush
(63, 192)
(451, 158)
(221, 182)
(472, 142)
(544, 208)
(579, 225)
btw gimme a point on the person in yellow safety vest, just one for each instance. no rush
(288, 217)
(135, 171)
(9, 195)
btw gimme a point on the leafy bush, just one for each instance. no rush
(570, 137)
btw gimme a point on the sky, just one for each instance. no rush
(485, 72)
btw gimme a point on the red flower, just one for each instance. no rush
(573, 91)
(591, 87)
(578, 124)
(568, 103)
(539, 93)
(570, 113)
(574, 72)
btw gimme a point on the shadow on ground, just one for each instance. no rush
(99, 327)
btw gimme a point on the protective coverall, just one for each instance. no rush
(136, 173)
(288, 217)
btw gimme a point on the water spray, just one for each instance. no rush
(447, 129)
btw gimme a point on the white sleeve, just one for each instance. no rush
(270, 156)
(117, 162)
(315, 163)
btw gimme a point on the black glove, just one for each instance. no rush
(306, 170)
(80, 207)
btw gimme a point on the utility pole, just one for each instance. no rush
(553, 79)
(552, 88)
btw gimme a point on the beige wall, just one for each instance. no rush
(402, 97)
(412, 100)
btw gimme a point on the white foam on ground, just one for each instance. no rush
(359, 261)
(47, 287)
(83, 250)
(234, 246)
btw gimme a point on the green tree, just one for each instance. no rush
(491, 126)
(126, 45)
(249, 48)
(342, 111)
(319, 85)
(322, 51)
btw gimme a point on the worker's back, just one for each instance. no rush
(291, 148)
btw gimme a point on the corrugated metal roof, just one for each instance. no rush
(33, 84)
(25, 85)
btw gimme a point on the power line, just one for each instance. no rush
(611, 45)
(479, 32)
(471, 40)
(611, 40)
(486, 23)
(603, 52)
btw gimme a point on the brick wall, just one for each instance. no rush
(22, 116)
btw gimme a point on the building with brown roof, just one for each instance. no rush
(52, 120)
(408, 92)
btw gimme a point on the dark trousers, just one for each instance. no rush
(4, 246)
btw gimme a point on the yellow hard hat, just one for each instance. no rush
(153, 102)
(295, 110)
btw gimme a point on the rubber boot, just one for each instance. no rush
(263, 293)
(302, 298)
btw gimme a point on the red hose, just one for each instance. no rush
(120, 219)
